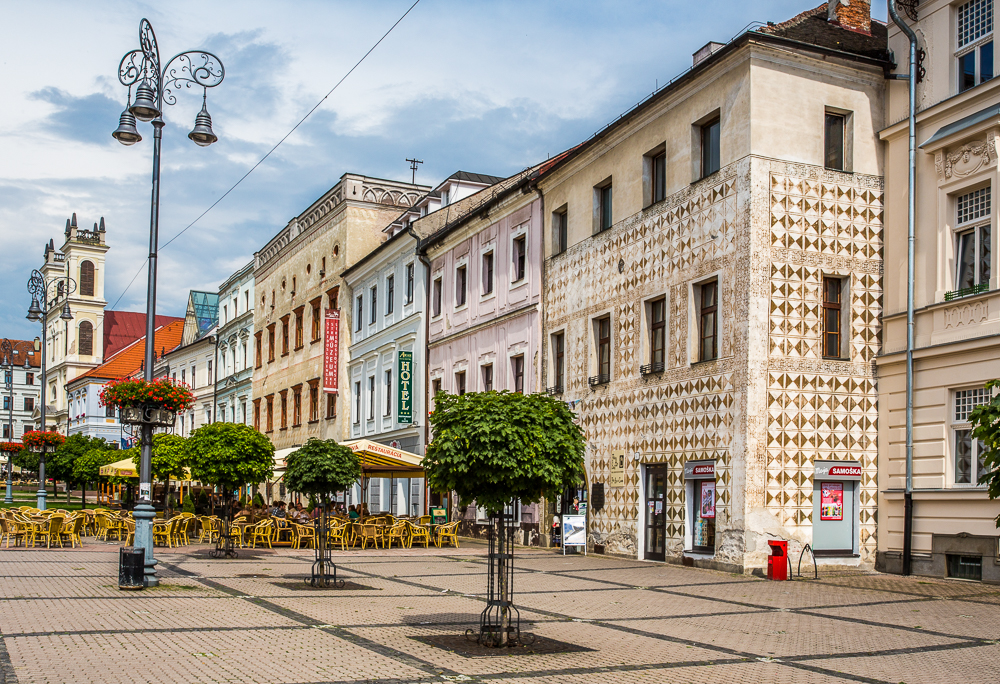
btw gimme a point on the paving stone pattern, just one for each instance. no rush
(63, 620)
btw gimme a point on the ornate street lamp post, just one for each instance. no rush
(38, 288)
(155, 87)
(7, 353)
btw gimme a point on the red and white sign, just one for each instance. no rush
(699, 470)
(705, 469)
(331, 352)
(845, 471)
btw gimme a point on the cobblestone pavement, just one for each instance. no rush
(63, 620)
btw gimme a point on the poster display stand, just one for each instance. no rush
(574, 532)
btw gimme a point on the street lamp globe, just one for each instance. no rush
(66, 314)
(126, 133)
(144, 108)
(34, 311)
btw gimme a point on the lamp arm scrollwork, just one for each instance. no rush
(196, 67)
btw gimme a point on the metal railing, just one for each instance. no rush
(967, 291)
(650, 368)
(602, 379)
(558, 389)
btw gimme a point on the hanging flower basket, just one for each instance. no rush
(151, 402)
(8, 447)
(36, 440)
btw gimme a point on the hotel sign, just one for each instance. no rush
(404, 403)
(331, 352)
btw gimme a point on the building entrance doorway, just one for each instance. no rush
(656, 513)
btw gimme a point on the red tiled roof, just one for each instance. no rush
(129, 360)
(121, 328)
(22, 347)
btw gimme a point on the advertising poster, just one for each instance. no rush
(574, 531)
(331, 352)
(831, 505)
(708, 498)
(616, 477)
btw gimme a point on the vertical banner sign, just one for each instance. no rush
(831, 501)
(331, 352)
(404, 371)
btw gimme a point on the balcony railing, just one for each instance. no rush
(650, 368)
(967, 291)
(558, 389)
(602, 379)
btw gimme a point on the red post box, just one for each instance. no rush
(777, 562)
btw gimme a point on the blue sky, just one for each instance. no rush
(489, 87)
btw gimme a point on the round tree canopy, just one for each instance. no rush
(229, 455)
(495, 447)
(321, 467)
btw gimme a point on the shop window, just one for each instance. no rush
(517, 369)
(487, 372)
(703, 529)
(973, 241)
(974, 52)
(970, 453)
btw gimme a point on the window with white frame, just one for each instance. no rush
(357, 402)
(974, 45)
(387, 403)
(969, 452)
(371, 397)
(973, 238)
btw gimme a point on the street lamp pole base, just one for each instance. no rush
(42, 494)
(9, 499)
(144, 514)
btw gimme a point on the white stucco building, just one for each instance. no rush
(234, 361)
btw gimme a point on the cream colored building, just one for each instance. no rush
(957, 323)
(297, 280)
(712, 293)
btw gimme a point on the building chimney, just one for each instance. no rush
(853, 15)
(705, 52)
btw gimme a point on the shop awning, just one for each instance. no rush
(281, 456)
(126, 468)
(379, 460)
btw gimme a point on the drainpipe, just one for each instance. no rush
(910, 242)
(422, 256)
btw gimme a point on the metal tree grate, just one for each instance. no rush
(224, 544)
(324, 571)
(500, 621)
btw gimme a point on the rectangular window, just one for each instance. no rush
(109, 411)
(371, 397)
(387, 394)
(29, 404)
(357, 403)
(969, 452)
(361, 314)
(390, 293)
(316, 325)
(973, 253)
(409, 283)
(435, 386)
(436, 298)
(373, 309)
(975, 64)
(331, 406)
(299, 323)
(604, 349)
(488, 273)
(270, 343)
(708, 321)
(270, 413)
(832, 317)
(517, 369)
(488, 377)
(284, 410)
(6, 403)
(833, 136)
(520, 246)
(297, 407)
(559, 362)
(560, 231)
(256, 414)
(284, 335)
(257, 349)
(313, 403)
(659, 177)
(710, 149)
(29, 378)
(604, 207)
(460, 285)
(460, 383)
(657, 334)
(183, 375)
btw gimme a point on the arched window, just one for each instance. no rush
(87, 279)
(86, 338)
